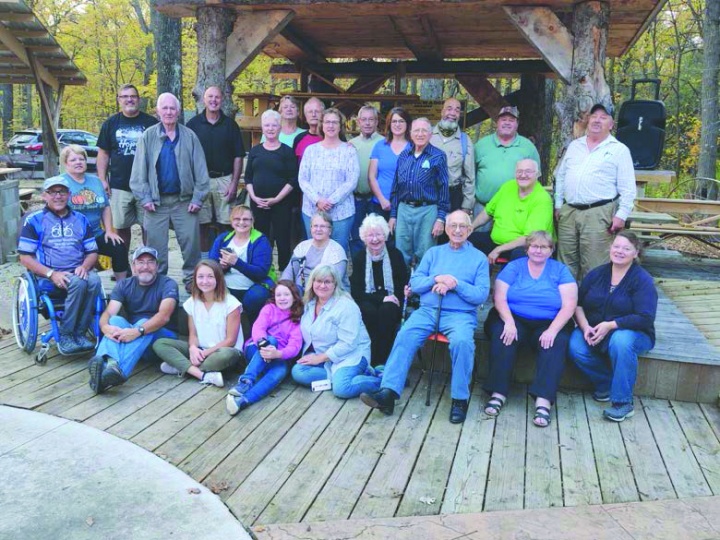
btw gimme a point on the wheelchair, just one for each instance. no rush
(29, 302)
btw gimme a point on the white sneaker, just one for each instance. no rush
(214, 378)
(168, 369)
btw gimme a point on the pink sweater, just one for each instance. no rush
(275, 322)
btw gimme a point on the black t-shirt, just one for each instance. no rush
(221, 142)
(118, 137)
(269, 170)
(144, 302)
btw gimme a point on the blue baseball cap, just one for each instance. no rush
(56, 181)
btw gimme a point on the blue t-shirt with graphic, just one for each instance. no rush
(89, 199)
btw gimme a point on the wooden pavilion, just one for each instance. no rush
(469, 40)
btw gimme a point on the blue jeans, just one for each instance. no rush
(347, 382)
(413, 231)
(128, 354)
(340, 233)
(363, 207)
(618, 376)
(273, 372)
(458, 327)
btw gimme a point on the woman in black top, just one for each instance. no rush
(270, 176)
(377, 284)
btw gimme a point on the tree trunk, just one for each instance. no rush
(431, 89)
(213, 27)
(588, 86)
(27, 100)
(7, 111)
(50, 154)
(706, 187)
(168, 55)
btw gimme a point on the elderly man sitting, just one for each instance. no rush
(57, 245)
(456, 275)
(520, 207)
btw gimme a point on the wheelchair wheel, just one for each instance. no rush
(25, 314)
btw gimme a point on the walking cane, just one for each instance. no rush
(432, 358)
(407, 297)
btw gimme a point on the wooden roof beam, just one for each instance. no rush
(310, 52)
(419, 37)
(546, 32)
(483, 92)
(25, 55)
(253, 30)
(479, 115)
(423, 69)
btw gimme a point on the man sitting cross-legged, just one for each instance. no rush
(149, 300)
(458, 273)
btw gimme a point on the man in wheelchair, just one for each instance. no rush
(148, 300)
(56, 244)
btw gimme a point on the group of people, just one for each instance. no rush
(376, 205)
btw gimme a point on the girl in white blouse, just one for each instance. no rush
(215, 337)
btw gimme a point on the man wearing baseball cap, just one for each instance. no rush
(149, 300)
(594, 194)
(57, 245)
(495, 158)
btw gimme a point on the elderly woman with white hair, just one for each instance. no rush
(377, 284)
(270, 177)
(336, 345)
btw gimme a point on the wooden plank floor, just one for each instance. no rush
(298, 456)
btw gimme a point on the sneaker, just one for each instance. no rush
(168, 369)
(602, 397)
(67, 345)
(96, 365)
(213, 378)
(83, 343)
(242, 387)
(112, 375)
(235, 404)
(619, 412)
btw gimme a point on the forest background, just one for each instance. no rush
(112, 42)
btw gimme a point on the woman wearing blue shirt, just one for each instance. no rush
(384, 158)
(616, 321)
(88, 197)
(535, 298)
(336, 345)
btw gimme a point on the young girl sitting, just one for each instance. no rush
(214, 339)
(276, 339)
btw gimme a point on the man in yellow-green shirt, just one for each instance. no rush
(520, 206)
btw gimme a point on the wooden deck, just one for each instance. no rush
(299, 456)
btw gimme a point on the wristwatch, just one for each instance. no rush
(141, 329)
(49, 273)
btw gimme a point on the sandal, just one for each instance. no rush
(495, 405)
(542, 414)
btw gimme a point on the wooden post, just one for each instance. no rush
(214, 25)
(587, 81)
(535, 118)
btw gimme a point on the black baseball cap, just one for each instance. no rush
(608, 109)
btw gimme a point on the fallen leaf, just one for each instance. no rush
(194, 491)
(90, 521)
(219, 487)
(259, 528)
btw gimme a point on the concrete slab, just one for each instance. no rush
(657, 520)
(61, 479)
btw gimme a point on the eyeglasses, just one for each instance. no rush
(243, 219)
(319, 226)
(539, 247)
(331, 122)
(325, 282)
(524, 172)
(147, 262)
(420, 130)
(397, 122)
(460, 226)
(128, 97)
(58, 193)
(366, 120)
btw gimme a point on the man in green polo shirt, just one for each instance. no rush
(496, 156)
(520, 207)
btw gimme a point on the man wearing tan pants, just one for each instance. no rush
(594, 194)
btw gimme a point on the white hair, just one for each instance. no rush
(373, 221)
(166, 95)
(271, 114)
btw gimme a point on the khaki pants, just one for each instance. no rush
(583, 237)
(177, 354)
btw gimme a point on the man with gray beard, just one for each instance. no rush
(448, 137)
